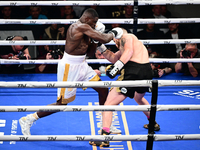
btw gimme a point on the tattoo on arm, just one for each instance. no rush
(123, 41)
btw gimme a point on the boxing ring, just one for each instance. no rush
(176, 110)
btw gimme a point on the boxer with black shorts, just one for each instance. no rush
(132, 60)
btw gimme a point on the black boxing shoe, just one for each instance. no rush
(156, 126)
(101, 143)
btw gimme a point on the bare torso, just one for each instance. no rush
(140, 53)
(76, 42)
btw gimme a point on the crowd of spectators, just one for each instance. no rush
(58, 31)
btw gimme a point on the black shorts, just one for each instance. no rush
(135, 71)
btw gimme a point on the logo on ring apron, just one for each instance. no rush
(124, 90)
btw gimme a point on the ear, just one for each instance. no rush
(87, 19)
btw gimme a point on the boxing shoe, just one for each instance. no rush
(26, 123)
(156, 126)
(101, 143)
(117, 32)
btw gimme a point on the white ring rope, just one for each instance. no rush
(62, 42)
(97, 108)
(105, 21)
(82, 84)
(141, 83)
(97, 3)
(157, 137)
(98, 61)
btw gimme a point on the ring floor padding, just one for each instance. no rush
(78, 123)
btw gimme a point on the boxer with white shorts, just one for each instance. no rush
(81, 40)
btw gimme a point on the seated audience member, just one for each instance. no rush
(190, 51)
(35, 13)
(7, 12)
(38, 30)
(156, 13)
(127, 15)
(160, 69)
(69, 13)
(14, 52)
(115, 11)
(100, 10)
(176, 31)
(151, 32)
(49, 68)
(53, 32)
(99, 68)
(165, 12)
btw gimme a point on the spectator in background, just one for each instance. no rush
(69, 13)
(165, 12)
(160, 69)
(49, 68)
(127, 15)
(190, 51)
(115, 11)
(156, 10)
(35, 13)
(99, 68)
(7, 13)
(176, 32)
(14, 52)
(151, 32)
(156, 13)
(38, 30)
(100, 10)
(53, 32)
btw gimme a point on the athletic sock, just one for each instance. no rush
(35, 116)
(31, 117)
(106, 129)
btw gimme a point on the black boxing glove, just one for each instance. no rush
(111, 70)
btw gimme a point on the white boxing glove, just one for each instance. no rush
(100, 27)
(117, 32)
(102, 48)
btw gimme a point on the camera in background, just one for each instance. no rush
(186, 53)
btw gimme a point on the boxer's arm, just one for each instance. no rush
(112, 57)
(98, 36)
(91, 49)
(126, 48)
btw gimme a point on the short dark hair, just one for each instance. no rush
(92, 12)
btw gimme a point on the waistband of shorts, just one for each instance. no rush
(135, 63)
(73, 58)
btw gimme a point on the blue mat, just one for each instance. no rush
(78, 123)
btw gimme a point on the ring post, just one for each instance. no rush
(135, 17)
(152, 115)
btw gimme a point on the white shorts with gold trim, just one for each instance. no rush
(73, 68)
